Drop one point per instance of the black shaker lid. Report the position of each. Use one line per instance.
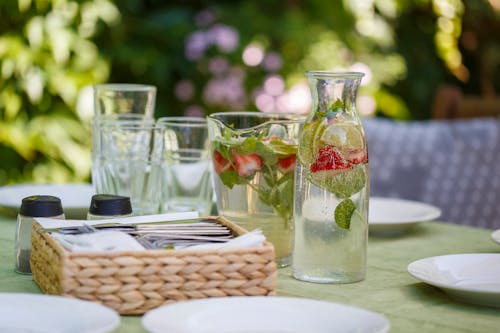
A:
(109, 204)
(41, 206)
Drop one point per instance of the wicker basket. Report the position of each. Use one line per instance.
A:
(133, 282)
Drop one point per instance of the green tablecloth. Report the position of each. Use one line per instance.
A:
(411, 306)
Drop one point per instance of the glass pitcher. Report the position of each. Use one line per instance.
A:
(254, 157)
(331, 184)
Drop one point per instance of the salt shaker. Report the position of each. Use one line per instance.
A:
(31, 207)
(106, 206)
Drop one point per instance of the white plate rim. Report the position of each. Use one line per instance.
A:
(495, 235)
(114, 317)
(432, 213)
(411, 268)
(17, 189)
(149, 316)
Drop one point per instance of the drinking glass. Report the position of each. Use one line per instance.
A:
(187, 183)
(125, 119)
(129, 118)
(130, 163)
(332, 184)
(118, 102)
(254, 157)
(118, 98)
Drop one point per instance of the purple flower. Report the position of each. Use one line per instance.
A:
(272, 62)
(225, 91)
(225, 37)
(196, 44)
(204, 18)
(184, 90)
(274, 85)
(253, 54)
(265, 102)
(218, 65)
(194, 111)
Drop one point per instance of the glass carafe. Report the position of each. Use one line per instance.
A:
(331, 184)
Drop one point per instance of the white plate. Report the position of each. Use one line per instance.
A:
(50, 314)
(75, 198)
(394, 216)
(495, 235)
(262, 314)
(472, 278)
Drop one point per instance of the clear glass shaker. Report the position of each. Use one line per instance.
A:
(32, 206)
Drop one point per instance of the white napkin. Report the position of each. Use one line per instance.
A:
(50, 223)
(253, 238)
(98, 241)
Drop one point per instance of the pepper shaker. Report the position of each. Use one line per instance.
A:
(31, 207)
(107, 206)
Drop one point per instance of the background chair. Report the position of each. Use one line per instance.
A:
(451, 103)
(452, 164)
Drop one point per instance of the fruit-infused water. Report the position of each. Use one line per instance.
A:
(331, 185)
(254, 157)
(252, 213)
(324, 251)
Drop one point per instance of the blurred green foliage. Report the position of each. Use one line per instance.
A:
(46, 56)
(199, 54)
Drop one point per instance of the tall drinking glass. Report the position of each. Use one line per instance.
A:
(125, 118)
(118, 98)
(254, 157)
(331, 184)
(118, 102)
(98, 176)
(187, 183)
(130, 163)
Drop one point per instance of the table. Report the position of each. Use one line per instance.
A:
(411, 306)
